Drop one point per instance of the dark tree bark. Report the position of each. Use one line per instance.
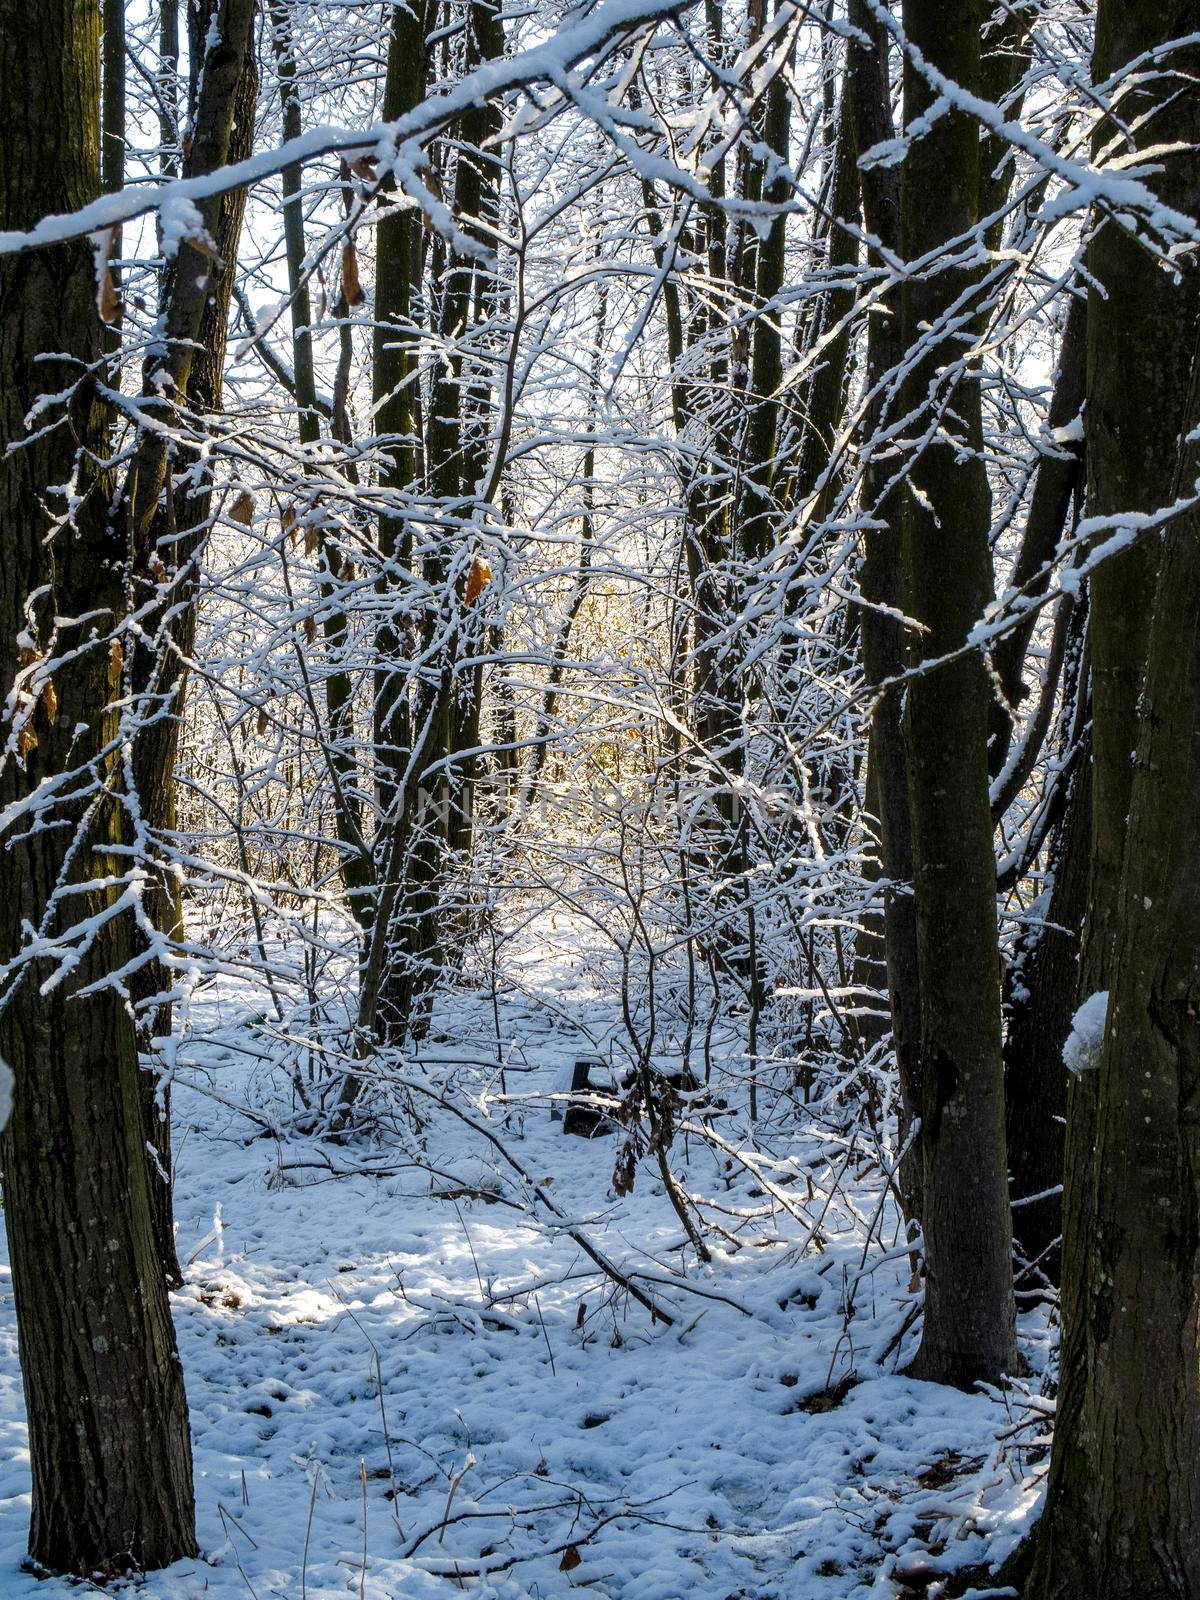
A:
(1122, 1514)
(880, 633)
(758, 512)
(1043, 998)
(445, 709)
(388, 984)
(482, 424)
(396, 398)
(1042, 981)
(1056, 485)
(168, 86)
(1122, 1518)
(224, 130)
(543, 732)
(969, 1327)
(112, 133)
(424, 816)
(109, 1443)
(1004, 56)
(824, 396)
(348, 781)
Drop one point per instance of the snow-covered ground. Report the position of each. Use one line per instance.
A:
(412, 1382)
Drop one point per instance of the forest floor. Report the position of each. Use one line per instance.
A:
(416, 1363)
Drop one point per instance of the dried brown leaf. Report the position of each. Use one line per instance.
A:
(625, 1168)
(477, 580)
(351, 283)
(203, 246)
(242, 509)
(108, 301)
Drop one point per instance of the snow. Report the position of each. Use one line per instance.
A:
(398, 1309)
(1083, 184)
(549, 61)
(179, 221)
(1085, 1042)
(1070, 433)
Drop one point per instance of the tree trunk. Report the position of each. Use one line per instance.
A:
(112, 134)
(340, 748)
(1122, 1518)
(758, 513)
(178, 537)
(397, 732)
(1056, 485)
(969, 1328)
(108, 1430)
(880, 634)
(1122, 1514)
(823, 403)
(445, 709)
(1044, 996)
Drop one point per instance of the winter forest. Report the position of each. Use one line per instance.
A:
(600, 799)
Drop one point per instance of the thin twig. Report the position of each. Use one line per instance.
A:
(545, 1335)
